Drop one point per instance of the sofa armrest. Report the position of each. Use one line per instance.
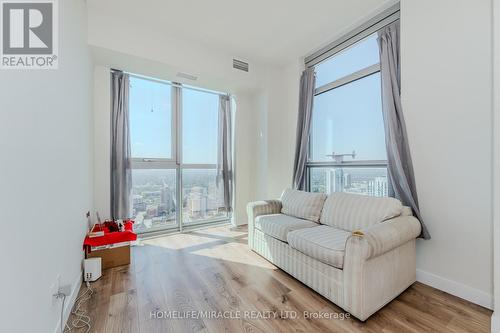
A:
(264, 207)
(379, 264)
(382, 237)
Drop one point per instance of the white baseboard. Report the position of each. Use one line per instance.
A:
(495, 322)
(70, 301)
(456, 288)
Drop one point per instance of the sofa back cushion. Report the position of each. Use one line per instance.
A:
(304, 205)
(355, 211)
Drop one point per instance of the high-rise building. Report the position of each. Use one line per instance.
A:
(167, 198)
(335, 180)
(347, 180)
(381, 186)
(197, 201)
(378, 187)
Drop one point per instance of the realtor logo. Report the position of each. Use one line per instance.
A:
(29, 34)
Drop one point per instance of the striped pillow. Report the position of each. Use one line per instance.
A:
(354, 211)
(304, 205)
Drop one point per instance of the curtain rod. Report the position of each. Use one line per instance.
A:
(173, 84)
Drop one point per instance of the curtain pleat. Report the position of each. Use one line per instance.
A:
(400, 167)
(306, 98)
(225, 174)
(121, 177)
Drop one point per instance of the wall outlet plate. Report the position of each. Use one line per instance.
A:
(54, 288)
(65, 290)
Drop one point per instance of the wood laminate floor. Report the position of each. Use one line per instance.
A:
(213, 270)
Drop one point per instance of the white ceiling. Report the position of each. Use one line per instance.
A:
(268, 31)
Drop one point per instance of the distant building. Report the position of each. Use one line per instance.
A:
(152, 211)
(347, 180)
(212, 197)
(167, 199)
(197, 201)
(378, 187)
(138, 203)
(335, 180)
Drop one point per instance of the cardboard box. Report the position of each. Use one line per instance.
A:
(111, 256)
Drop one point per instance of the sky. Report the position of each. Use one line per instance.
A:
(349, 117)
(151, 122)
(344, 119)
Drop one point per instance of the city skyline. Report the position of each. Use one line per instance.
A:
(154, 203)
(366, 181)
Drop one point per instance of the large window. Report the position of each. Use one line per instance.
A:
(173, 132)
(347, 142)
(151, 119)
(201, 198)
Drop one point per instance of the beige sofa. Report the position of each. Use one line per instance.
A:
(355, 250)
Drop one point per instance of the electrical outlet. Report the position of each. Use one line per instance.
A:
(54, 288)
(65, 290)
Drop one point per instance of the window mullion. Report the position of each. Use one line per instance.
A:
(362, 73)
(153, 165)
(177, 123)
(348, 164)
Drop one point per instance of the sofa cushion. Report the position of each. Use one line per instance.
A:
(355, 211)
(279, 225)
(323, 243)
(304, 205)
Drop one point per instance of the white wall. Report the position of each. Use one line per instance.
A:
(447, 94)
(102, 141)
(495, 319)
(277, 105)
(446, 83)
(281, 125)
(45, 178)
(245, 152)
(164, 54)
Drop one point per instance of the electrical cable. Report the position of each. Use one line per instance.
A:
(62, 310)
(82, 319)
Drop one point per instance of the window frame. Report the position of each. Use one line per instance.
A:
(377, 22)
(173, 121)
(345, 80)
(175, 163)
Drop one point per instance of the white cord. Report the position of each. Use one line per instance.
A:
(82, 319)
(62, 311)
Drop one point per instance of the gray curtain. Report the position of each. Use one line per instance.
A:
(121, 178)
(400, 167)
(224, 151)
(306, 97)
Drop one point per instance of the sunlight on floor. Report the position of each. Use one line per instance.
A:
(233, 254)
(209, 242)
